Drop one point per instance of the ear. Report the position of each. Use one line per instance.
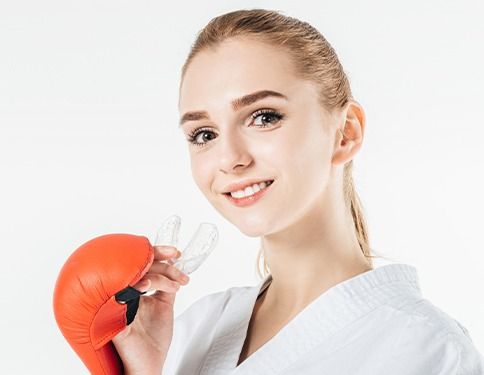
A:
(349, 139)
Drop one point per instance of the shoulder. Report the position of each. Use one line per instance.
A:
(434, 341)
(428, 316)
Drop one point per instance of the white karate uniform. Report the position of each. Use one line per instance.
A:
(375, 323)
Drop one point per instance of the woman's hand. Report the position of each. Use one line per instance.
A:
(143, 345)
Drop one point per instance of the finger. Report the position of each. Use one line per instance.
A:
(143, 285)
(170, 271)
(168, 298)
(165, 252)
(160, 282)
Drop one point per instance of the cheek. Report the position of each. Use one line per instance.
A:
(307, 156)
(298, 146)
(200, 173)
(205, 172)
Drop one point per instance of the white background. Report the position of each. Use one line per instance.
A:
(89, 145)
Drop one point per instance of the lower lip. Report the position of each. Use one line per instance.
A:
(247, 201)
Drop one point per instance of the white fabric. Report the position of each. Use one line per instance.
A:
(376, 323)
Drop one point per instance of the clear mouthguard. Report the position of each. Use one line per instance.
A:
(198, 249)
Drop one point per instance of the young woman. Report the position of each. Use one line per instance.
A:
(273, 129)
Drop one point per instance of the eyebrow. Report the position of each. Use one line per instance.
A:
(236, 105)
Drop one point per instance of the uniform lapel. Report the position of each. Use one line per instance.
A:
(230, 333)
(334, 309)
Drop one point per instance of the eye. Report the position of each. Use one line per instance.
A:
(193, 136)
(265, 114)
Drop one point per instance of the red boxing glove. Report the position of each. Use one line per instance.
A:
(94, 299)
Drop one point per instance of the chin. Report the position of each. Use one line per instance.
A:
(251, 228)
(254, 225)
(252, 232)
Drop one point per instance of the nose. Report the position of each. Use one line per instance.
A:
(233, 152)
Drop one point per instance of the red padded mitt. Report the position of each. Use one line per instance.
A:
(94, 298)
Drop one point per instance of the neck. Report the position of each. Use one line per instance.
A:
(319, 250)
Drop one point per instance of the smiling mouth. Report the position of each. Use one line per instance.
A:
(270, 182)
(249, 200)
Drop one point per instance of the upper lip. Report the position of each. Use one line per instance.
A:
(243, 184)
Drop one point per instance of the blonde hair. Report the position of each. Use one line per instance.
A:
(314, 59)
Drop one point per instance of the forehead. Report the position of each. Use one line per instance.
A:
(233, 69)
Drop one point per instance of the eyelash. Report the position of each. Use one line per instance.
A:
(194, 134)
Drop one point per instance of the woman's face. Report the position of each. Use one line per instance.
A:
(239, 143)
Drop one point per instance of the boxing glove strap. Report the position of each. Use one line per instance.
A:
(129, 296)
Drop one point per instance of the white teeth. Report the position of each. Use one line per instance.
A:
(249, 190)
